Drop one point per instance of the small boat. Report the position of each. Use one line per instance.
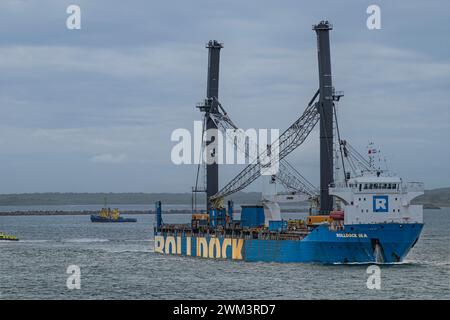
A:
(108, 215)
(7, 237)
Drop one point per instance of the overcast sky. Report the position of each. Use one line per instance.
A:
(93, 109)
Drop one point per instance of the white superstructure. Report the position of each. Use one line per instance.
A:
(375, 198)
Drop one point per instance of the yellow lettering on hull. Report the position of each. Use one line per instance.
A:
(178, 245)
(202, 247)
(237, 245)
(214, 248)
(171, 247)
(188, 246)
(225, 244)
(159, 244)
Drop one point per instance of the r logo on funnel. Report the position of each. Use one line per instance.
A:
(380, 204)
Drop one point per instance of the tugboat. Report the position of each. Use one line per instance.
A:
(108, 215)
(7, 237)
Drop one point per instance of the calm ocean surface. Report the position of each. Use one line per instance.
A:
(117, 262)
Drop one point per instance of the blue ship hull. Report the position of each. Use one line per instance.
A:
(95, 218)
(359, 243)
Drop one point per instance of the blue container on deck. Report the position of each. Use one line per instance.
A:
(230, 209)
(252, 216)
(213, 218)
(278, 225)
(217, 217)
(221, 217)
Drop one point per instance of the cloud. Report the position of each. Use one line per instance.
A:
(135, 72)
(109, 158)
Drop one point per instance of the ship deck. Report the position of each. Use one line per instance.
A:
(233, 232)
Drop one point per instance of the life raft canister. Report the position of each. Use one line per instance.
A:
(337, 215)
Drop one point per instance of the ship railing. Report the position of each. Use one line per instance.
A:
(339, 186)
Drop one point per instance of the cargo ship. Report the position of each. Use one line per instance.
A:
(7, 237)
(108, 215)
(362, 213)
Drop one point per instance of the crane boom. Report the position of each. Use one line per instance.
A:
(287, 175)
(288, 141)
(294, 181)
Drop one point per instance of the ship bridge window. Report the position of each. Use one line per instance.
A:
(360, 185)
(365, 186)
(379, 186)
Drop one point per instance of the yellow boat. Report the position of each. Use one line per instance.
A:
(7, 237)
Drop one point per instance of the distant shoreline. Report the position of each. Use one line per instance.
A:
(132, 198)
(432, 199)
(81, 213)
(126, 212)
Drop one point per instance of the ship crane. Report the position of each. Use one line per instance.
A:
(357, 163)
(295, 135)
(288, 141)
(355, 160)
(287, 175)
